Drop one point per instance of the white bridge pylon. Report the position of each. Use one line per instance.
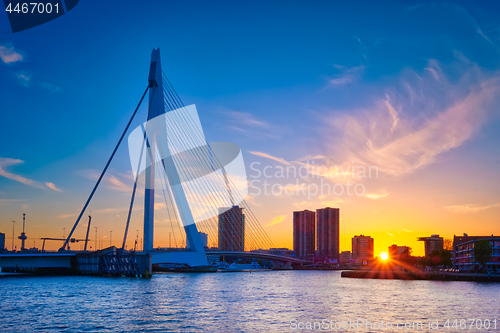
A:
(157, 142)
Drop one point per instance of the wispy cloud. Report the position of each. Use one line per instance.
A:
(312, 157)
(346, 75)
(117, 185)
(52, 88)
(6, 162)
(376, 196)
(303, 204)
(88, 173)
(251, 200)
(24, 79)
(388, 137)
(110, 181)
(64, 216)
(248, 124)
(53, 186)
(9, 54)
(106, 211)
(276, 220)
(4, 202)
(469, 208)
(331, 203)
(481, 33)
(246, 119)
(27, 79)
(277, 159)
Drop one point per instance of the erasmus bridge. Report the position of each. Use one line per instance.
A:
(200, 182)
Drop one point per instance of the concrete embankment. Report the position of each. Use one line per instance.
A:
(437, 276)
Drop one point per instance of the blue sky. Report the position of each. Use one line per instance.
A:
(281, 79)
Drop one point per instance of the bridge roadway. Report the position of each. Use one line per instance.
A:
(40, 259)
(52, 259)
(259, 255)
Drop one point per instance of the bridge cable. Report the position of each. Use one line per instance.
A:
(211, 163)
(252, 220)
(66, 242)
(134, 190)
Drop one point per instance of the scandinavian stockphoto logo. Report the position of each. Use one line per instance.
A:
(25, 15)
(212, 175)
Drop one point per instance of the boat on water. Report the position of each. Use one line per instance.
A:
(181, 268)
(234, 267)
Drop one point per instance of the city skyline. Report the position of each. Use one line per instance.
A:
(420, 106)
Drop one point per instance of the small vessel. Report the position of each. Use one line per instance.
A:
(182, 268)
(234, 267)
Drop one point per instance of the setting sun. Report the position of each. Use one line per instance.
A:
(384, 255)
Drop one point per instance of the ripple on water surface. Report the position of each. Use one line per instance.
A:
(233, 302)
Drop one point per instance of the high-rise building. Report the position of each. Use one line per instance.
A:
(433, 243)
(2, 241)
(231, 229)
(362, 247)
(327, 232)
(303, 234)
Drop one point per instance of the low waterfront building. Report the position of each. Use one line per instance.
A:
(213, 260)
(345, 258)
(463, 252)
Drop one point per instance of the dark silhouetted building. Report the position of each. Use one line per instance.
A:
(303, 234)
(399, 252)
(327, 232)
(2, 241)
(433, 243)
(204, 239)
(231, 229)
(362, 247)
(345, 257)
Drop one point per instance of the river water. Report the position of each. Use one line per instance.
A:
(265, 301)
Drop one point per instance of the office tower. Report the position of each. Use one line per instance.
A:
(362, 247)
(231, 229)
(433, 243)
(327, 232)
(303, 234)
